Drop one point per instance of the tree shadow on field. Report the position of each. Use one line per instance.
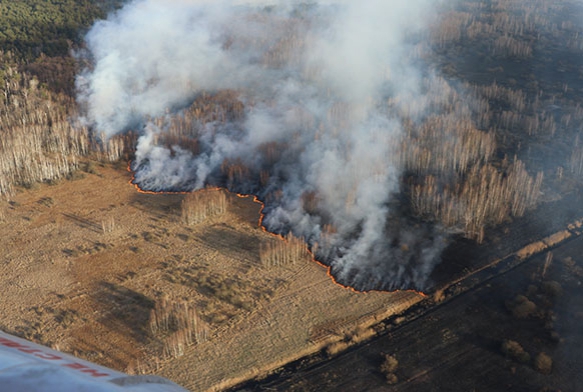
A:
(160, 205)
(232, 243)
(125, 310)
(83, 223)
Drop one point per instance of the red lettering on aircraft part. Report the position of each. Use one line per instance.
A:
(85, 369)
(48, 356)
(29, 350)
(51, 357)
(22, 348)
(10, 343)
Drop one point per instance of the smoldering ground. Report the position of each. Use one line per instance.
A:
(301, 104)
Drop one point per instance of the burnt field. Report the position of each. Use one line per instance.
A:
(462, 343)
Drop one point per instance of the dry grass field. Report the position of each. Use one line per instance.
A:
(85, 262)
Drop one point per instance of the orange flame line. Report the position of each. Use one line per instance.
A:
(260, 224)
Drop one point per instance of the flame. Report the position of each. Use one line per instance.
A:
(260, 224)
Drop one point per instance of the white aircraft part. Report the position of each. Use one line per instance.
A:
(27, 366)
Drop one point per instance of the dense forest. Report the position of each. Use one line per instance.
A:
(41, 36)
(50, 27)
(40, 141)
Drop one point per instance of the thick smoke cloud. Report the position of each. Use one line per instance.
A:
(315, 140)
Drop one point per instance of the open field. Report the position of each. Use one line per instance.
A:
(85, 261)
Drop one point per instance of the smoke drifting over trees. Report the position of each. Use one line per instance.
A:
(324, 111)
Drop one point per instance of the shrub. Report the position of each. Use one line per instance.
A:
(389, 364)
(361, 334)
(30, 185)
(75, 175)
(552, 288)
(46, 201)
(89, 167)
(336, 347)
(388, 368)
(521, 307)
(392, 379)
(543, 363)
(514, 350)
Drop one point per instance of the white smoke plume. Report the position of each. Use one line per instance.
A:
(314, 140)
